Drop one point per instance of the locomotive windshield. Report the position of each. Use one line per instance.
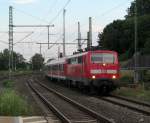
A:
(102, 58)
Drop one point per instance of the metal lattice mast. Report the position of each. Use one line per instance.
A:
(79, 37)
(64, 33)
(10, 40)
(90, 31)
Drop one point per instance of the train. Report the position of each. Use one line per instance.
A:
(94, 71)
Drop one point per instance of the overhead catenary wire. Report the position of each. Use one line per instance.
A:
(42, 20)
(52, 6)
(60, 11)
(4, 42)
(104, 13)
(33, 16)
(108, 11)
(24, 38)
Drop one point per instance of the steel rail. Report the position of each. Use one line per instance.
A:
(50, 105)
(81, 107)
(131, 100)
(146, 112)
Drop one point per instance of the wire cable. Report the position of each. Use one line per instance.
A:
(35, 17)
(60, 11)
(24, 38)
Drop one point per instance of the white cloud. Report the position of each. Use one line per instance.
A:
(24, 1)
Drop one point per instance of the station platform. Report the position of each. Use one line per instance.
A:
(32, 119)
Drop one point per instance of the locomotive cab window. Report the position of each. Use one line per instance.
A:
(102, 58)
(74, 60)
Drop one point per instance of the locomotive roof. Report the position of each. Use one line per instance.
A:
(63, 60)
(77, 55)
(57, 61)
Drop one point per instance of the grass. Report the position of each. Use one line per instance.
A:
(11, 104)
(126, 79)
(129, 73)
(135, 93)
(14, 73)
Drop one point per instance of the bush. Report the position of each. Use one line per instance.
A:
(11, 104)
(8, 83)
(124, 56)
(126, 80)
(147, 77)
(138, 93)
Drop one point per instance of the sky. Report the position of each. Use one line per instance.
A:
(44, 12)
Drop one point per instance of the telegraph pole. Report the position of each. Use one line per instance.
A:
(64, 33)
(10, 40)
(90, 31)
(79, 37)
(48, 26)
(48, 36)
(41, 49)
(136, 76)
(89, 34)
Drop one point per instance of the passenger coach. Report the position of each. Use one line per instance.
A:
(92, 70)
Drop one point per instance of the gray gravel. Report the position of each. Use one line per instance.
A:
(70, 111)
(115, 112)
(121, 101)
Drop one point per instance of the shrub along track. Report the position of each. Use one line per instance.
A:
(66, 109)
(20, 88)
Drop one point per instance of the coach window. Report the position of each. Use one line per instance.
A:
(80, 60)
(62, 67)
(69, 61)
(55, 67)
(74, 61)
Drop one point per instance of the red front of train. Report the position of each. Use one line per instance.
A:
(97, 70)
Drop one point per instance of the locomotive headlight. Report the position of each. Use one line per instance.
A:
(104, 64)
(113, 77)
(93, 77)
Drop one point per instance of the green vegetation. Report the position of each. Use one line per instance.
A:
(11, 104)
(135, 93)
(37, 62)
(119, 35)
(127, 77)
(19, 61)
(125, 81)
(8, 83)
(4, 74)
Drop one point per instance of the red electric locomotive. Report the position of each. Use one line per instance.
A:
(95, 70)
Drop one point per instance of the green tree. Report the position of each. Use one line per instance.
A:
(4, 60)
(100, 40)
(37, 62)
(18, 60)
(119, 35)
(143, 8)
(146, 49)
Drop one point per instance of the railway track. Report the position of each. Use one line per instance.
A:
(69, 111)
(135, 105)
